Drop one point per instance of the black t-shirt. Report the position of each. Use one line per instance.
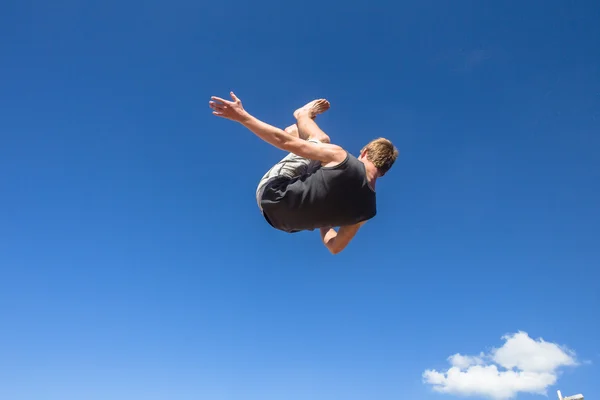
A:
(324, 198)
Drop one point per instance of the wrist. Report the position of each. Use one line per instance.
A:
(244, 118)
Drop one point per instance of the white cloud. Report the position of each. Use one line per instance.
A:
(522, 352)
(463, 362)
(522, 364)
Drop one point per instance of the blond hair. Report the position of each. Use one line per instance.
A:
(382, 153)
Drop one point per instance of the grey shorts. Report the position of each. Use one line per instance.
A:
(290, 166)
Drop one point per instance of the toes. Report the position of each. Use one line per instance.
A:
(321, 107)
(313, 108)
(322, 104)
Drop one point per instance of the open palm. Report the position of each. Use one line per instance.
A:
(232, 110)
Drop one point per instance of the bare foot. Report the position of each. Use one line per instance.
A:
(312, 109)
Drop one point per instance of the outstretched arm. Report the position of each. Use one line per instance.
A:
(234, 111)
(337, 241)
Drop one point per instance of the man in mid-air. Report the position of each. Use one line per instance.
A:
(318, 185)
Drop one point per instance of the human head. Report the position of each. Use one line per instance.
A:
(381, 153)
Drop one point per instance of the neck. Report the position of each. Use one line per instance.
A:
(371, 174)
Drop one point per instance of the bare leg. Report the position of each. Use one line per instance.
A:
(307, 127)
(293, 130)
(314, 107)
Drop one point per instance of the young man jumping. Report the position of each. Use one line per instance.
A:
(318, 185)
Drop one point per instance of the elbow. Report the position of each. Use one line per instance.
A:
(335, 249)
(334, 245)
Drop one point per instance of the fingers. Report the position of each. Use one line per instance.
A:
(217, 106)
(233, 97)
(220, 100)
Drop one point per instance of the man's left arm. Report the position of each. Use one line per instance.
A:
(337, 241)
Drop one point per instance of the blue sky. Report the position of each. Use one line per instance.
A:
(135, 264)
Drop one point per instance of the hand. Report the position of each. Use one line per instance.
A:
(232, 110)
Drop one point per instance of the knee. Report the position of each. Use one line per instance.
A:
(323, 138)
(292, 130)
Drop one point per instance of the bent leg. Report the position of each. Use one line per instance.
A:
(307, 127)
(293, 130)
(292, 165)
